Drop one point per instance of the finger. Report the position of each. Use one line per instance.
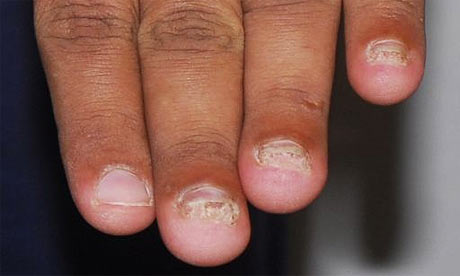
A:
(90, 58)
(288, 79)
(385, 44)
(191, 55)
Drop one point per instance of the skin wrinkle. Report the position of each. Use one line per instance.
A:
(294, 100)
(389, 9)
(194, 29)
(254, 6)
(91, 130)
(76, 26)
(288, 9)
(130, 121)
(292, 91)
(78, 157)
(198, 147)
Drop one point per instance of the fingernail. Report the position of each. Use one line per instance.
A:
(122, 187)
(390, 52)
(207, 202)
(283, 154)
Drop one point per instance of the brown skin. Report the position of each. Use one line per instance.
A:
(94, 78)
(288, 78)
(156, 86)
(192, 64)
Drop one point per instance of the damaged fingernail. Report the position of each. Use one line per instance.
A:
(283, 154)
(207, 202)
(390, 52)
(122, 187)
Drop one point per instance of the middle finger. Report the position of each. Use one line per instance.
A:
(191, 58)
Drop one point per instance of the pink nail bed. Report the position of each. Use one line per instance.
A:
(121, 187)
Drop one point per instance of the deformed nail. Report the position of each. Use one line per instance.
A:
(284, 154)
(389, 51)
(207, 202)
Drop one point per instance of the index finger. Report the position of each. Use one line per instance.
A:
(90, 58)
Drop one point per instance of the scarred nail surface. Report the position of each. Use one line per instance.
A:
(389, 51)
(119, 186)
(209, 203)
(283, 154)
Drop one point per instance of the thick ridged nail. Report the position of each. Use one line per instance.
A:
(283, 154)
(122, 187)
(209, 203)
(390, 52)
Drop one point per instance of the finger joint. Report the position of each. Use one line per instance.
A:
(75, 24)
(191, 29)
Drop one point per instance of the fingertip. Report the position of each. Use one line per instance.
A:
(385, 71)
(117, 203)
(116, 220)
(278, 188)
(204, 237)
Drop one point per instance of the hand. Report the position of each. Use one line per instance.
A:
(152, 118)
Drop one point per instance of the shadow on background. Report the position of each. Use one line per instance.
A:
(363, 144)
(365, 136)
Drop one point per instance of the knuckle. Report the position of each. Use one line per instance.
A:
(198, 144)
(96, 121)
(294, 100)
(88, 132)
(390, 9)
(287, 6)
(192, 28)
(77, 23)
(290, 16)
